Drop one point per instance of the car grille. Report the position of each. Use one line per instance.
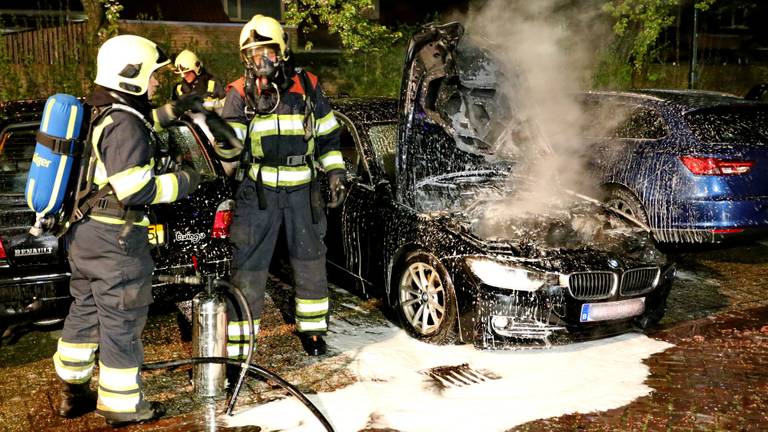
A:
(639, 281)
(592, 285)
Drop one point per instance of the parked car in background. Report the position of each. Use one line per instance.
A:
(418, 186)
(34, 274)
(693, 165)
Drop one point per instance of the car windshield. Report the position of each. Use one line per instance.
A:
(747, 124)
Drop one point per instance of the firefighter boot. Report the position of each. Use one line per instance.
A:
(145, 412)
(76, 399)
(314, 345)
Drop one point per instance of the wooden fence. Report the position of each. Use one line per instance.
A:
(62, 44)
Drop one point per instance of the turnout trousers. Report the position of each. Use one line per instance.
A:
(112, 288)
(254, 232)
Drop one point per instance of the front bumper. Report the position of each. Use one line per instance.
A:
(507, 319)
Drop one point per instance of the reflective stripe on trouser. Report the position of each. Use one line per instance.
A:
(112, 287)
(119, 389)
(238, 333)
(254, 233)
(74, 361)
(311, 315)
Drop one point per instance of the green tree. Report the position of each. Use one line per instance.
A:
(640, 22)
(347, 18)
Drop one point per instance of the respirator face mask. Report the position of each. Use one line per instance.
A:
(263, 66)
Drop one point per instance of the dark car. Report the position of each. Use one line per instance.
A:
(189, 235)
(691, 164)
(420, 186)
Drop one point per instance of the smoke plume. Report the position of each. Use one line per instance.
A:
(550, 46)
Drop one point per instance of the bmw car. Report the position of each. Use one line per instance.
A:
(414, 229)
(693, 165)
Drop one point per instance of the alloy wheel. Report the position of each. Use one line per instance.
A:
(422, 298)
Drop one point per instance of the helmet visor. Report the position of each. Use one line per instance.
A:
(262, 59)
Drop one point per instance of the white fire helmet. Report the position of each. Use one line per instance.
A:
(126, 62)
(187, 61)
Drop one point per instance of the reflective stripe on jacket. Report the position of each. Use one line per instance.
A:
(122, 153)
(281, 134)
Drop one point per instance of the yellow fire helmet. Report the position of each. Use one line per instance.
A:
(126, 62)
(260, 31)
(187, 61)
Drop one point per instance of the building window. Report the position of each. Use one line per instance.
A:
(243, 10)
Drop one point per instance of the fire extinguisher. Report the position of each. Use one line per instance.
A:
(209, 339)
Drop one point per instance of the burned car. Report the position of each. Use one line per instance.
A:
(189, 236)
(426, 224)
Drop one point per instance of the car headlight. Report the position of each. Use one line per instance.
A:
(503, 275)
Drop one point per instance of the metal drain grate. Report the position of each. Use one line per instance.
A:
(457, 376)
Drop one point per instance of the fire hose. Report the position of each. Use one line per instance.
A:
(246, 366)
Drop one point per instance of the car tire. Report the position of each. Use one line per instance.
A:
(626, 201)
(425, 299)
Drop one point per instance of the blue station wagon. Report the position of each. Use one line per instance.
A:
(693, 165)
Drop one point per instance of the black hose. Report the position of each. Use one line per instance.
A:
(264, 373)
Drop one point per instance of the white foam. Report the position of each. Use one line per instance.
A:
(392, 393)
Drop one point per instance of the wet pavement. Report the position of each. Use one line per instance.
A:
(714, 378)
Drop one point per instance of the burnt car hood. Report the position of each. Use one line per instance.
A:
(480, 206)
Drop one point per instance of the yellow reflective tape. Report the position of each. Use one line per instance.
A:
(30, 189)
(56, 183)
(47, 115)
(115, 221)
(130, 181)
(211, 86)
(78, 345)
(71, 124)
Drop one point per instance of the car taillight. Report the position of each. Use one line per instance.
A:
(223, 219)
(716, 166)
(2, 251)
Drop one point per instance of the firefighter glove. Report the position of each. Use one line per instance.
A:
(338, 190)
(187, 102)
(222, 131)
(188, 170)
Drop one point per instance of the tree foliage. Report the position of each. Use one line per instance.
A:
(343, 17)
(642, 21)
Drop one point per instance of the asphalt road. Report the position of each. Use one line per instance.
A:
(714, 378)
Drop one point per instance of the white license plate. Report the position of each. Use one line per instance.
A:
(592, 312)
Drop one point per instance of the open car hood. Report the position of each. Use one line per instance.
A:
(459, 111)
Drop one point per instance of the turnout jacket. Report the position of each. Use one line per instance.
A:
(278, 135)
(205, 85)
(123, 155)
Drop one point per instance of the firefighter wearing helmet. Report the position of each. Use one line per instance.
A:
(107, 243)
(288, 132)
(196, 80)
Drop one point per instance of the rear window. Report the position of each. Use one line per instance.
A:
(617, 120)
(16, 148)
(730, 125)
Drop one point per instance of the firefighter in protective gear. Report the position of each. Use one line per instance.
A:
(288, 131)
(196, 80)
(108, 246)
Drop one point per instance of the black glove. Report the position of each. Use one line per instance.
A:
(187, 102)
(221, 130)
(188, 169)
(338, 190)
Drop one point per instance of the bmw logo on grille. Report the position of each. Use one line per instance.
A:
(612, 263)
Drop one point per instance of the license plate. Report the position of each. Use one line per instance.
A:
(156, 234)
(592, 312)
